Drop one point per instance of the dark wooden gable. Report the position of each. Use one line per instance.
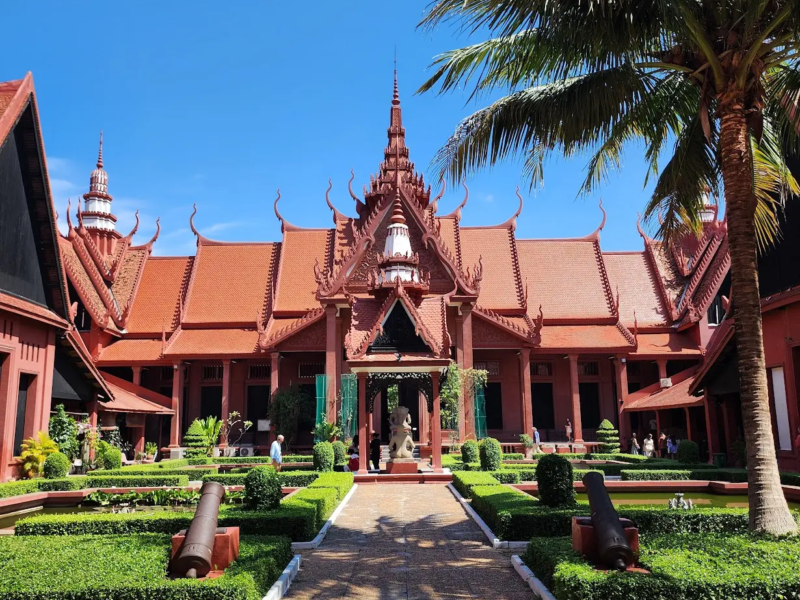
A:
(399, 334)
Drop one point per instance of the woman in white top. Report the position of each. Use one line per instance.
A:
(649, 445)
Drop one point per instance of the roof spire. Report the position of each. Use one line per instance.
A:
(396, 96)
(397, 210)
(100, 152)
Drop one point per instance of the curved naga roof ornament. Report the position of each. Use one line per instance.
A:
(70, 229)
(512, 222)
(129, 237)
(149, 245)
(285, 225)
(536, 338)
(435, 202)
(457, 212)
(337, 216)
(596, 233)
(359, 204)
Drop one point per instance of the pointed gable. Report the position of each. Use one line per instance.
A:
(631, 274)
(158, 298)
(501, 288)
(296, 287)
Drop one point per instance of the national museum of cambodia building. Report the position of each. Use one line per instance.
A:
(390, 295)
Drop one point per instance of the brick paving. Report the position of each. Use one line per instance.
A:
(406, 542)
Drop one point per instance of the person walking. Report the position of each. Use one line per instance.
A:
(635, 447)
(375, 451)
(275, 453)
(537, 440)
(662, 445)
(672, 447)
(568, 430)
(649, 445)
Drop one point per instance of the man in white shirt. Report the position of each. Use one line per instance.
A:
(275, 453)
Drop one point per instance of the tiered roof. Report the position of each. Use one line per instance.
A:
(241, 299)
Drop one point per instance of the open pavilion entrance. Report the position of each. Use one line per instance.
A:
(375, 374)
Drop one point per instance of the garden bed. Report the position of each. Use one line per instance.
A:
(129, 566)
(681, 566)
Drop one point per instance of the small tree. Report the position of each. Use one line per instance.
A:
(326, 432)
(554, 476)
(195, 440)
(63, 431)
(234, 425)
(458, 383)
(339, 452)
(491, 454)
(262, 489)
(469, 451)
(608, 438)
(392, 397)
(688, 452)
(34, 452)
(286, 409)
(324, 458)
(56, 465)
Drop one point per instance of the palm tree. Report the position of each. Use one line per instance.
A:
(719, 79)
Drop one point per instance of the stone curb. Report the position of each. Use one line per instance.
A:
(298, 546)
(537, 587)
(496, 543)
(280, 587)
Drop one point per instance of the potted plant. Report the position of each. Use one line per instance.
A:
(233, 422)
(529, 444)
(326, 432)
(150, 451)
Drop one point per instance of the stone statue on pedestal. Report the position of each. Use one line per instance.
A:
(401, 445)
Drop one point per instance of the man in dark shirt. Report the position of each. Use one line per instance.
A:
(375, 451)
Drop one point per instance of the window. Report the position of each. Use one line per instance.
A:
(634, 386)
(588, 369)
(634, 368)
(541, 369)
(309, 370)
(715, 311)
(590, 404)
(492, 367)
(167, 373)
(781, 408)
(543, 410)
(494, 405)
(257, 403)
(25, 382)
(212, 373)
(259, 371)
(211, 401)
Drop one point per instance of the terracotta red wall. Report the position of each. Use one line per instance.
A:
(26, 346)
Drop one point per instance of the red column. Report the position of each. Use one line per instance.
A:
(92, 409)
(708, 408)
(525, 379)
(274, 380)
(338, 382)
(662, 368)
(138, 446)
(436, 426)
(688, 423)
(621, 370)
(363, 425)
(331, 343)
(226, 400)
(177, 393)
(577, 428)
(466, 344)
(137, 375)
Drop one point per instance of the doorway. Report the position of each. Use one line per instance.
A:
(408, 396)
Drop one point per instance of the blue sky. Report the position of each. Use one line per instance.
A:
(204, 103)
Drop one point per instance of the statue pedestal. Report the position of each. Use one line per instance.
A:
(401, 466)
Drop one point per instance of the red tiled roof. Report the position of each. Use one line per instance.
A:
(132, 398)
(29, 309)
(666, 344)
(280, 330)
(81, 282)
(501, 288)
(565, 337)
(296, 286)
(229, 283)
(128, 276)
(674, 283)
(566, 277)
(8, 90)
(449, 233)
(630, 273)
(213, 342)
(721, 337)
(654, 397)
(131, 351)
(157, 300)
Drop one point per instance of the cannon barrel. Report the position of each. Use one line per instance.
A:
(194, 559)
(612, 544)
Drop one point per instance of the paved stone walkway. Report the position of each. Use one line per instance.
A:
(406, 542)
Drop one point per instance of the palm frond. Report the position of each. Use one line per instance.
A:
(573, 114)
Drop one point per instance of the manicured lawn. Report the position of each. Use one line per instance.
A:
(126, 567)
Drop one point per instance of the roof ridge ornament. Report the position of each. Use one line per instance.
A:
(285, 225)
(457, 212)
(337, 216)
(100, 152)
(435, 202)
(512, 222)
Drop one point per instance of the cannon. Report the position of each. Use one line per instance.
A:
(613, 548)
(194, 559)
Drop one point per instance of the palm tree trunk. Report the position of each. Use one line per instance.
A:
(769, 512)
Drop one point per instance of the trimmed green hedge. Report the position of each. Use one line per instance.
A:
(192, 474)
(341, 482)
(67, 484)
(128, 567)
(18, 488)
(464, 480)
(682, 566)
(513, 456)
(303, 479)
(504, 509)
(107, 481)
(252, 460)
(323, 500)
(296, 522)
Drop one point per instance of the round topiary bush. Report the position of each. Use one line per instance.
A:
(262, 489)
(339, 452)
(554, 475)
(608, 438)
(469, 451)
(323, 456)
(491, 454)
(688, 452)
(195, 440)
(112, 458)
(56, 465)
